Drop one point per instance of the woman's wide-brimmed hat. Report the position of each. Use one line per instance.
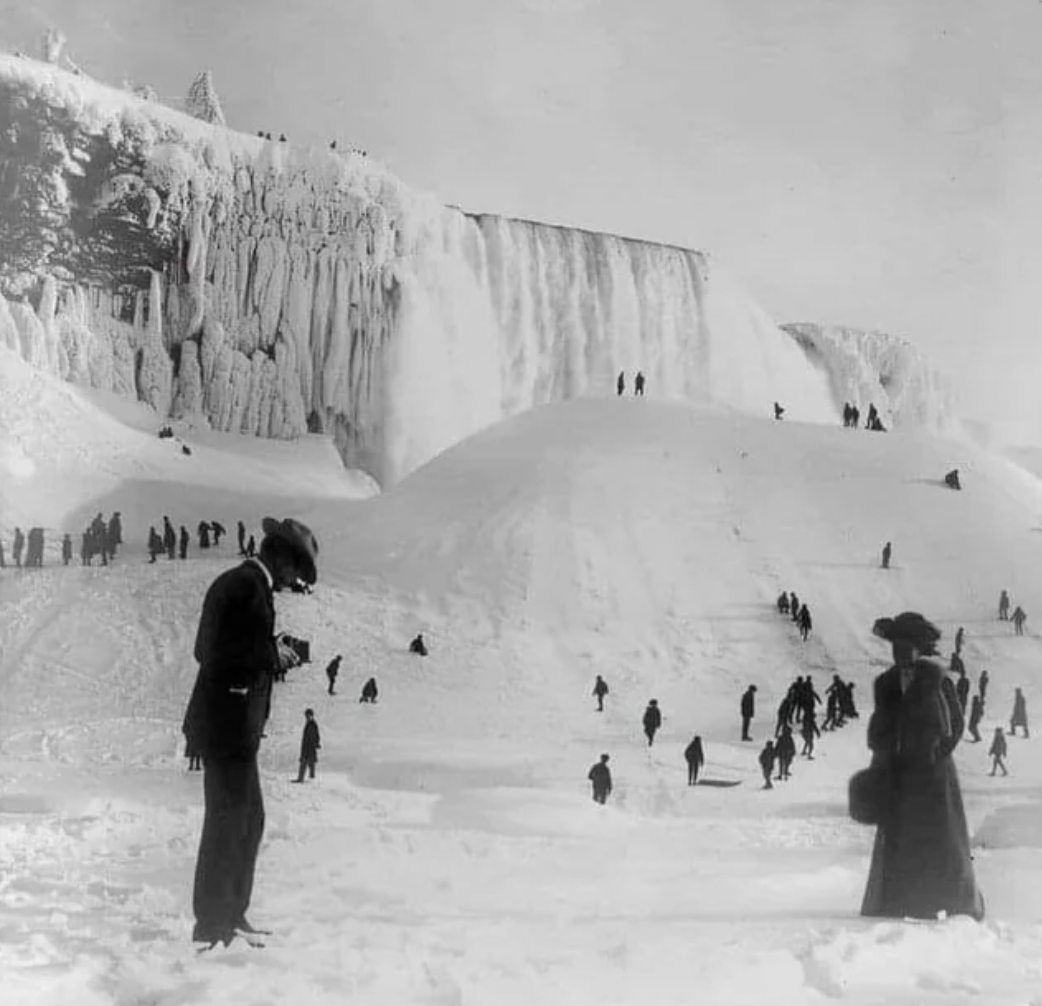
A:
(909, 627)
(300, 538)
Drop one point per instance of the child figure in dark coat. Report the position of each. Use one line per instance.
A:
(695, 758)
(600, 776)
(310, 742)
(997, 751)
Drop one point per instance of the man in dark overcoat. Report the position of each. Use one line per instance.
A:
(310, 742)
(238, 657)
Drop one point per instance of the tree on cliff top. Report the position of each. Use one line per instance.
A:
(203, 102)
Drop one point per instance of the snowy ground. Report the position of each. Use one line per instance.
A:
(448, 852)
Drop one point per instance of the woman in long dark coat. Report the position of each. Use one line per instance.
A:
(921, 858)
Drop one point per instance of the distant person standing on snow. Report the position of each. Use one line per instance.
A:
(785, 752)
(620, 384)
(418, 646)
(242, 538)
(982, 686)
(809, 730)
(203, 531)
(310, 742)
(695, 758)
(652, 721)
(779, 412)
(959, 635)
(218, 530)
(962, 688)
(66, 549)
(638, 384)
(230, 703)
(1020, 713)
(370, 692)
(114, 535)
(1019, 618)
(251, 547)
(331, 672)
(19, 544)
(870, 422)
(921, 861)
(169, 538)
(1004, 606)
(976, 715)
(887, 550)
(600, 689)
(600, 776)
(155, 545)
(748, 710)
(783, 603)
(998, 751)
(767, 764)
(804, 621)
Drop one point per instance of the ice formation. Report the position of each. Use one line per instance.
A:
(274, 289)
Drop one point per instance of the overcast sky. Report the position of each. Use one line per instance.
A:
(874, 163)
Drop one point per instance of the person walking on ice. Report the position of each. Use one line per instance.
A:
(976, 715)
(887, 552)
(600, 689)
(638, 384)
(767, 764)
(804, 621)
(1004, 606)
(652, 721)
(310, 742)
(1019, 618)
(695, 758)
(600, 776)
(331, 672)
(1020, 714)
(748, 709)
(997, 752)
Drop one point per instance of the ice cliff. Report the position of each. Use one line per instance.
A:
(273, 289)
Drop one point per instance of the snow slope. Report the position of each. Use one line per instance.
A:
(448, 851)
(273, 288)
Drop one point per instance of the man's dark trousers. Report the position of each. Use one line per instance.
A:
(232, 828)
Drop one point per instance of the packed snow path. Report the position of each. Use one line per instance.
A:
(448, 851)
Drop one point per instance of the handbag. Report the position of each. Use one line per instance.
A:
(866, 794)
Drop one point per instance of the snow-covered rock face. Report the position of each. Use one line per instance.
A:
(275, 289)
(874, 367)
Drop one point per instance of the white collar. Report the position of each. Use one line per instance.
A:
(267, 572)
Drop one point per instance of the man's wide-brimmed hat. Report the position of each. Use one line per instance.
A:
(303, 542)
(909, 627)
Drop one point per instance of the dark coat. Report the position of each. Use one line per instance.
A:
(235, 647)
(921, 857)
(693, 753)
(748, 703)
(600, 776)
(652, 719)
(310, 742)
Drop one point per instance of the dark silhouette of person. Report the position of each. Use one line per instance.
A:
(847, 413)
(66, 549)
(155, 545)
(962, 689)
(310, 742)
(169, 538)
(34, 551)
(794, 606)
(418, 646)
(783, 603)
(115, 533)
(695, 758)
(1004, 606)
(1020, 713)
(870, 422)
(600, 776)
(1019, 618)
(855, 416)
(982, 686)
(767, 764)
(230, 703)
(370, 692)
(960, 634)
(955, 664)
(748, 708)
(998, 751)
(779, 413)
(652, 721)
(804, 621)
(809, 730)
(183, 540)
(204, 534)
(217, 529)
(331, 672)
(600, 689)
(951, 480)
(887, 552)
(251, 547)
(921, 862)
(785, 752)
(242, 538)
(638, 384)
(976, 715)
(620, 383)
(19, 544)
